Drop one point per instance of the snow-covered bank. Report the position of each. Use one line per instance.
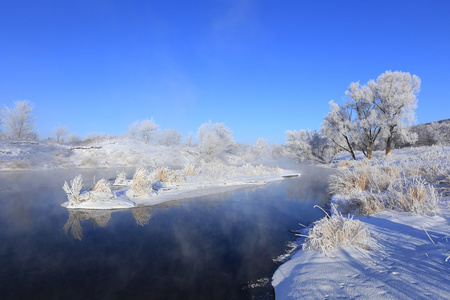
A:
(408, 254)
(144, 190)
(403, 263)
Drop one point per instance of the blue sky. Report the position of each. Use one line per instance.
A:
(259, 66)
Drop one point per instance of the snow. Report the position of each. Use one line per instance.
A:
(403, 263)
(408, 257)
(195, 186)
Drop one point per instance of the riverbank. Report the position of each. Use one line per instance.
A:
(407, 255)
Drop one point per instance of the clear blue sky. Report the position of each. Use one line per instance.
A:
(259, 66)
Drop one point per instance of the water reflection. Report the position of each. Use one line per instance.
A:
(142, 215)
(73, 224)
(100, 218)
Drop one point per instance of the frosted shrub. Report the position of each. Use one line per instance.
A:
(73, 190)
(412, 195)
(102, 186)
(165, 174)
(362, 177)
(189, 170)
(121, 179)
(364, 203)
(140, 184)
(330, 233)
(216, 170)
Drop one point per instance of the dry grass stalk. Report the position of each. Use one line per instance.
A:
(413, 195)
(102, 186)
(330, 233)
(164, 174)
(189, 170)
(141, 184)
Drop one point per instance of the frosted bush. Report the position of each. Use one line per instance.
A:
(102, 186)
(189, 170)
(412, 195)
(330, 233)
(165, 174)
(140, 184)
(121, 179)
(73, 190)
(216, 170)
(364, 203)
(362, 177)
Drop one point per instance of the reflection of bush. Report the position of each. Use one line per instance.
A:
(100, 218)
(142, 215)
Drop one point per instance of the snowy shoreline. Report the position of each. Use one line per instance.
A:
(193, 187)
(406, 257)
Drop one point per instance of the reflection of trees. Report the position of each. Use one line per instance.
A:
(142, 215)
(98, 217)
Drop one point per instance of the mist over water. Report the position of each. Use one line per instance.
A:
(202, 248)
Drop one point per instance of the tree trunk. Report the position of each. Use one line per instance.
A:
(369, 151)
(389, 140)
(388, 145)
(350, 148)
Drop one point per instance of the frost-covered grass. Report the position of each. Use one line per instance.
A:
(332, 232)
(405, 182)
(121, 179)
(141, 184)
(408, 182)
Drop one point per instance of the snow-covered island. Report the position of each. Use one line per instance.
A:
(164, 184)
(387, 236)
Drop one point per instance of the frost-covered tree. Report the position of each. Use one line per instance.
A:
(395, 96)
(338, 126)
(73, 139)
(148, 129)
(214, 140)
(189, 138)
(260, 147)
(60, 131)
(170, 137)
(19, 121)
(368, 126)
(133, 129)
(309, 145)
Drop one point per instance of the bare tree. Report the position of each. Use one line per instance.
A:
(19, 121)
(60, 131)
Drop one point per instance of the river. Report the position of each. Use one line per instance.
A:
(214, 247)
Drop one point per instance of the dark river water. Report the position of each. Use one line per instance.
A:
(213, 247)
